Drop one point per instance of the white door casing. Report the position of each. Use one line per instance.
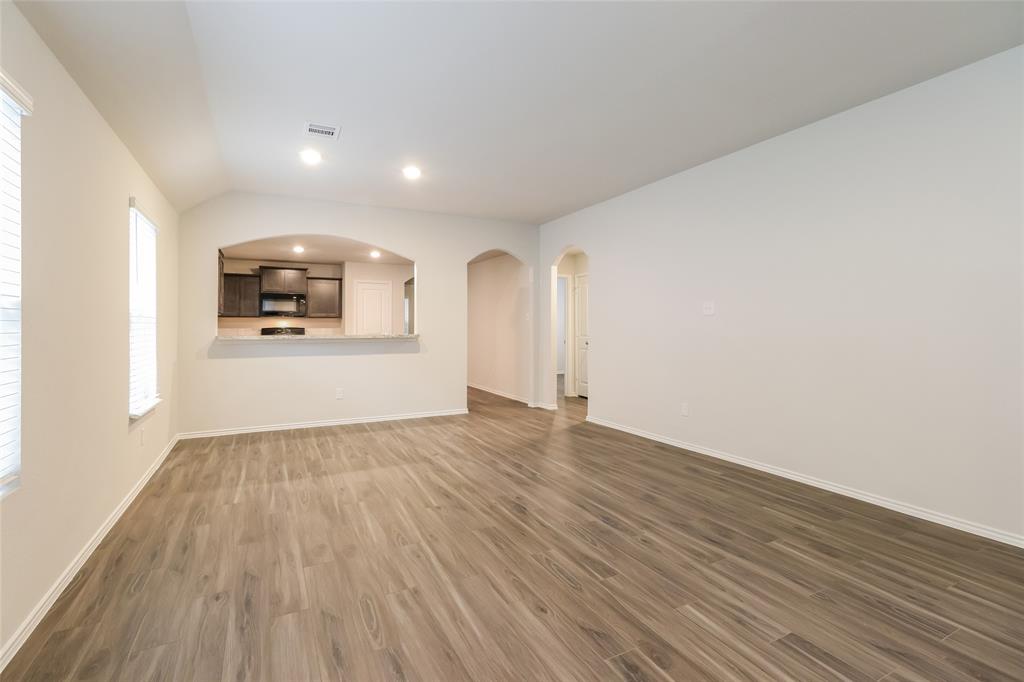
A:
(373, 307)
(562, 317)
(582, 319)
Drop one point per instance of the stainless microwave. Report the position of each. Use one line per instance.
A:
(282, 305)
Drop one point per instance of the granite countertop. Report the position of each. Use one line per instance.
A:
(314, 338)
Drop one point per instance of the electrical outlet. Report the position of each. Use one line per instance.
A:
(339, 394)
(684, 410)
(708, 308)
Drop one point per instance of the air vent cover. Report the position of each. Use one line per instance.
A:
(322, 131)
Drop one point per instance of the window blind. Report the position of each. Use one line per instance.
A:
(142, 376)
(10, 288)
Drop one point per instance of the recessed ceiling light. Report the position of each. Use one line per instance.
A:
(298, 249)
(310, 157)
(411, 173)
(375, 254)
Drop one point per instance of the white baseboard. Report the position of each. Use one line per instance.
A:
(12, 645)
(322, 422)
(503, 394)
(545, 406)
(894, 505)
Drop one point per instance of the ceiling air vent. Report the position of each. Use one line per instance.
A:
(322, 132)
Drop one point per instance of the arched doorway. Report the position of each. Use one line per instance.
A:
(499, 331)
(571, 332)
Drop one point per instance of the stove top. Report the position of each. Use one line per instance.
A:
(283, 331)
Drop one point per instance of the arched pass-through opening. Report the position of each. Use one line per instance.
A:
(314, 285)
(570, 333)
(499, 346)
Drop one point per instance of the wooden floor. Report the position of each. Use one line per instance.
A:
(517, 544)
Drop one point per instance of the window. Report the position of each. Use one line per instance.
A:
(13, 105)
(142, 379)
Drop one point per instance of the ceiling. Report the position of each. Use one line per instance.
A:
(522, 111)
(318, 248)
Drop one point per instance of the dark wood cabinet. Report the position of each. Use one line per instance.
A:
(241, 296)
(272, 280)
(249, 300)
(220, 282)
(324, 297)
(295, 281)
(231, 295)
(282, 280)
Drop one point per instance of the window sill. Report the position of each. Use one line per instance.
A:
(9, 486)
(148, 410)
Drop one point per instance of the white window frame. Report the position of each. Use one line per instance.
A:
(143, 346)
(15, 104)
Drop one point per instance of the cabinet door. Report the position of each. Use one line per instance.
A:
(294, 281)
(272, 280)
(324, 298)
(249, 297)
(232, 295)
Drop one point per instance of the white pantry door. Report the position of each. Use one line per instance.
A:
(373, 307)
(582, 315)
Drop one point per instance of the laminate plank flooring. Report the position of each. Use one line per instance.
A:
(517, 544)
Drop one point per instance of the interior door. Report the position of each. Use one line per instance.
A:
(582, 315)
(373, 307)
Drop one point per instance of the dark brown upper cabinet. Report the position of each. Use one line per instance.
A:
(324, 298)
(295, 281)
(241, 296)
(220, 282)
(282, 280)
(272, 280)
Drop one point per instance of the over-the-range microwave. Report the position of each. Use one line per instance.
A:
(282, 305)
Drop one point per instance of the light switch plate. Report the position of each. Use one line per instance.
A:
(339, 394)
(708, 308)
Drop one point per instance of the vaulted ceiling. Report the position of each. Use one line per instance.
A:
(523, 111)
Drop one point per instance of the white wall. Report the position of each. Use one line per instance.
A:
(80, 456)
(500, 331)
(227, 386)
(867, 276)
(396, 274)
